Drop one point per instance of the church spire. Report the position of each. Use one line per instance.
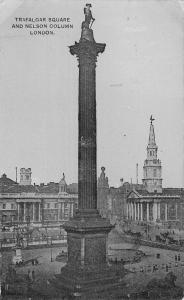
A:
(152, 146)
(152, 166)
(151, 142)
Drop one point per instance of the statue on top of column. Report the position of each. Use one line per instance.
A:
(88, 15)
(87, 32)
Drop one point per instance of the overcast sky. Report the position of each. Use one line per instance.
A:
(139, 74)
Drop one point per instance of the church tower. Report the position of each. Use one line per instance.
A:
(152, 170)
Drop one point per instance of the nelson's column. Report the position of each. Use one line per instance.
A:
(87, 270)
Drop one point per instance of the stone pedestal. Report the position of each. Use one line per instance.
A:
(87, 271)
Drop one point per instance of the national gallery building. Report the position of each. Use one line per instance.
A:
(21, 203)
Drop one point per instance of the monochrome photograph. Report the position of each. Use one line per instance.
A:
(91, 149)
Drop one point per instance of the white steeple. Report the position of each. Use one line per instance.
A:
(152, 170)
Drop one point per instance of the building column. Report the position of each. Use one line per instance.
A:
(165, 211)
(129, 206)
(141, 211)
(59, 205)
(176, 208)
(82, 250)
(135, 208)
(138, 212)
(132, 211)
(127, 211)
(154, 212)
(24, 211)
(33, 208)
(147, 216)
(70, 210)
(39, 212)
(158, 211)
(18, 209)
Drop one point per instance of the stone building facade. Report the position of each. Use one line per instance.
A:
(52, 203)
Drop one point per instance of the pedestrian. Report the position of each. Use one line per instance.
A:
(175, 257)
(33, 275)
(178, 257)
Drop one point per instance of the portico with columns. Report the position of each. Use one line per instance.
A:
(153, 208)
(37, 208)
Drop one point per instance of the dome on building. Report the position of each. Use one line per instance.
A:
(62, 185)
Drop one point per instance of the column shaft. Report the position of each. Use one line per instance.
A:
(154, 212)
(24, 211)
(138, 212)
(176, 208)
(33, 212)
(141, 212)
(131, 206)
(135, 209)
(18, 209)
(38, 212)
(147, 211)
(127, 210)
(87, 135)
(165, 211)
(158, 212)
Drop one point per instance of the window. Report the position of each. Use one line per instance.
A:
(55, 205)
(12, 206)
(154, 172)
(4, 206)
(47, 205)
(27, 177)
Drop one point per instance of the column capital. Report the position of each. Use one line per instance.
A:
(87, 52)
